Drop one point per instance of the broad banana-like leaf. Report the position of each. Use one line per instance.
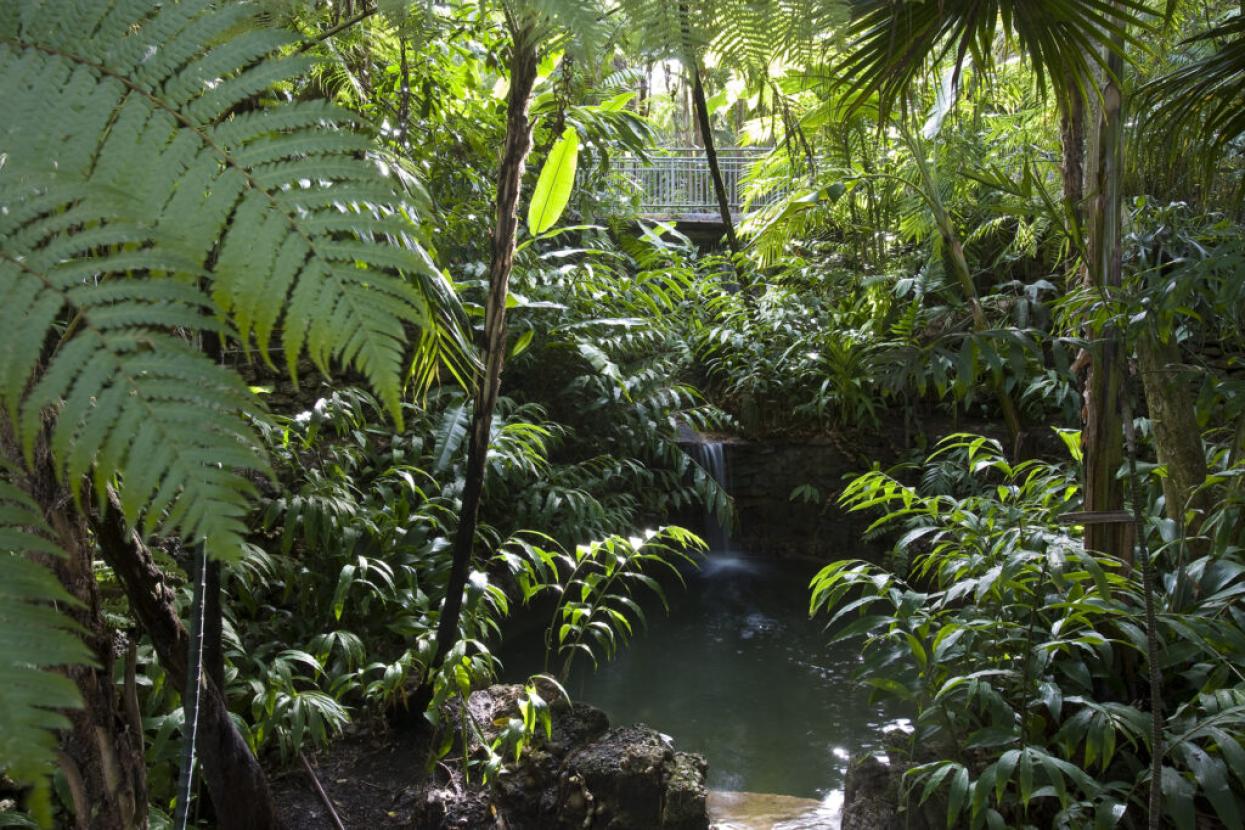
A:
(553, 188)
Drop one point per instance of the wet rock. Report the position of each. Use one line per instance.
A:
(871, 799)
(686, 795)
(584, 776)
(631, 779)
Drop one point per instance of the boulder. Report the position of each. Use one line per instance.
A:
(684, 807)
(871, 799)
(584, 776)
(632, 779)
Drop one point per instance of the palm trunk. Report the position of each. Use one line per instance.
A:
(959, 265)
(514, 156)
(1102, 434)
(1072, 139)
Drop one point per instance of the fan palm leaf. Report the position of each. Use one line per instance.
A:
(1206, 95)
(892, 42)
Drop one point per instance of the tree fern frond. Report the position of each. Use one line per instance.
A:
(34, 637)
(128, 180)
(751, 33)
(261, 184)
(132, 400)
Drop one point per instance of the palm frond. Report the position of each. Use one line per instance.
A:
(895, 41)
(1206, 95)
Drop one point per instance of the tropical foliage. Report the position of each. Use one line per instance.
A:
(330, 337)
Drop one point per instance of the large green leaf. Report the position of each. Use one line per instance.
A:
(553, 188)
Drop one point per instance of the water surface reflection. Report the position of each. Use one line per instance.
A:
(738, 673)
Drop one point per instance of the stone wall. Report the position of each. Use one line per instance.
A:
(762, 478)
(762, 475)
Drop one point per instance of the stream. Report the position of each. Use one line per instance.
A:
(737, 672)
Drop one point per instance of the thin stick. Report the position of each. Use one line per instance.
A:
(1152, 647)
(341, 27)
(324, 797)
(192, 697)
(132, 710)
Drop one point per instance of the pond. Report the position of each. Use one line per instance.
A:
(738, 673)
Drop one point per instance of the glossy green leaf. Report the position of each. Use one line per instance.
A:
(553, 188)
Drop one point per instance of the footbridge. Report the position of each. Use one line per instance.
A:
(675, 184)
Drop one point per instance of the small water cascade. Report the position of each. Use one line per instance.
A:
(711, 455)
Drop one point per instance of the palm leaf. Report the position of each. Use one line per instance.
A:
(892, 42)
(1207, 95)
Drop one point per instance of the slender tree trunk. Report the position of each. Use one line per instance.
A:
(1072, 139)
(711, 154)
(510, 179)
(234, 778)
(641, 101)
(705, 126)
(1177, 437)
(101, 754)
(1154, 817)
(1102, 434)
(404, 93)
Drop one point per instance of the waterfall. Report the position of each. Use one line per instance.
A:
(711, 455)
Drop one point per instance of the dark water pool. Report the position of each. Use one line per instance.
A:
(738, 673)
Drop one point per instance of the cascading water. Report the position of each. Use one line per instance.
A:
(711, 455)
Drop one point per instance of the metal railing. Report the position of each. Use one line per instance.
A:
(675, 181)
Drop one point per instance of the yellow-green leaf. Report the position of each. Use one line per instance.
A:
(553, 188)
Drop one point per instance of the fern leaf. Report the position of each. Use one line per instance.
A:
(34, 638)
(141, 211)
(269, 183)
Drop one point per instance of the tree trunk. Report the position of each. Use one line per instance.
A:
(1072, 139)
(1102, 434)
(705, 127)
(518, 143)
(234, 778)
(1177, 437)
(101, 755)
(711, 155)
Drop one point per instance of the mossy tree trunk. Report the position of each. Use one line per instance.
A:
(241, 798)
(1177, 437)
(101, 754)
